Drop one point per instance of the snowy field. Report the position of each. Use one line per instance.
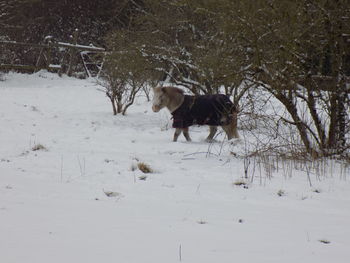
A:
(70, 190)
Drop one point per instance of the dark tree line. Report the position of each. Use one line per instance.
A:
(33, 20)
(45, 21)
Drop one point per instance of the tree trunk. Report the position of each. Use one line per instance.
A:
(337, 128)
(113, 106)
(332, 133)
(316, 119)
(342, 120)
(112, 99)
(119, 104)
(292, 109)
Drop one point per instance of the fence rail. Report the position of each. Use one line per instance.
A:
(70, 56)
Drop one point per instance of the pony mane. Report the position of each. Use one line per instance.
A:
(173, 90)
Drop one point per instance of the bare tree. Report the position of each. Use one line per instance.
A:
(125, 72)
(120, 87)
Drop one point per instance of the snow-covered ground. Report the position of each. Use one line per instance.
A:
(80, 198)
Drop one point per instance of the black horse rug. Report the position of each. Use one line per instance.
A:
(213, 110)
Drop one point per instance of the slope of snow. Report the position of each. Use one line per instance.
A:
(54, 206)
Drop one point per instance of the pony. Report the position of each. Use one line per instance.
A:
(213, 110)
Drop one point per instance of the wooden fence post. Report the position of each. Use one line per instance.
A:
(72, 53)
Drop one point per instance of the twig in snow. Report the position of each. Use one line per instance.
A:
(61, 168)
(180, 253)
(81, 167)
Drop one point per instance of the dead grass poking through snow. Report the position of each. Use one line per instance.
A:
(39, 147)
(145, 168)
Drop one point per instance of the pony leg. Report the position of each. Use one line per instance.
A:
(231, 130)
(186, 134)
(212, 132)
(177, 134)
